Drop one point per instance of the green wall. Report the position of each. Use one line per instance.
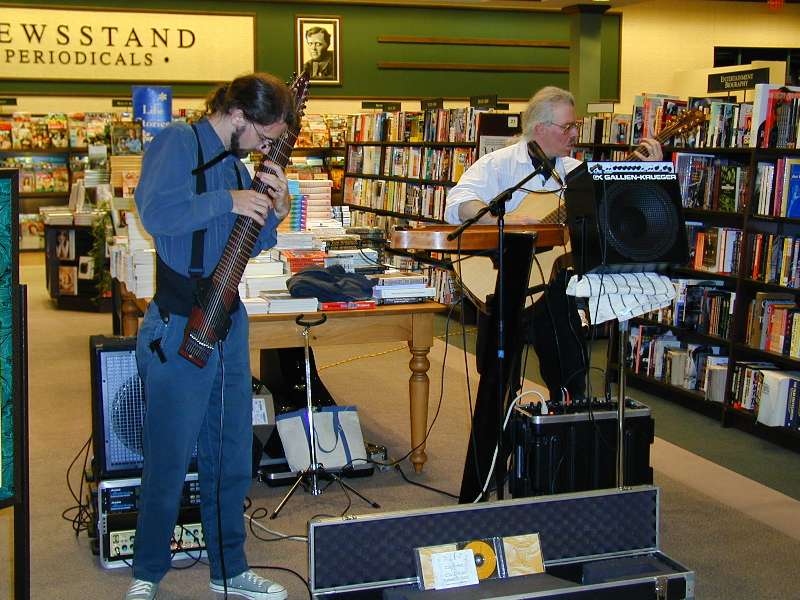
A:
(360, 27)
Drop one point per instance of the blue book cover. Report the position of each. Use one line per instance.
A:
(793, 192)
(153, 107)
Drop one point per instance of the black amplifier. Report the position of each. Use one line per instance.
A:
(577, 451)
(118, 508)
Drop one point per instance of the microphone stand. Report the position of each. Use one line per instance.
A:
(497, 207)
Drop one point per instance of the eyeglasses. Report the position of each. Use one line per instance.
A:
(565, 127)
(263, 139)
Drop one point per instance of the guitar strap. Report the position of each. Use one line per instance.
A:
(198, 236)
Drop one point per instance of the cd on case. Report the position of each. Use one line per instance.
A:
(495, 557)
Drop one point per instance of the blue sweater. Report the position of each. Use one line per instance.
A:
(170, 209)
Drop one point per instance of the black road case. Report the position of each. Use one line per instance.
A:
(601, 544)
(577, 451)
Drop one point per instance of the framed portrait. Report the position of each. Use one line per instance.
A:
(317, 49)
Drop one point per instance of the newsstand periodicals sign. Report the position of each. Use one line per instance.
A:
(106, 45)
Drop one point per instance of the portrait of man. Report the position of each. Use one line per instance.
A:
(318, 46)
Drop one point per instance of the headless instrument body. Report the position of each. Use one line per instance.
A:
(210, 317)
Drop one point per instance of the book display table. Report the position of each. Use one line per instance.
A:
(411, 323)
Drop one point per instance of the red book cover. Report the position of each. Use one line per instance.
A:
(351, 305)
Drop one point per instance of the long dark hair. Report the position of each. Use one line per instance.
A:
(263, 98)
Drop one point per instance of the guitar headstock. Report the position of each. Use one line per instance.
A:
(299, 87)
(683, 124)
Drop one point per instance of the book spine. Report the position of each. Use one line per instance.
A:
(406, 300)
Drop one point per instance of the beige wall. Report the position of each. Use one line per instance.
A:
(660, 37)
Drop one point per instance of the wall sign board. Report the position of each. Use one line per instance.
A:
(111, 45)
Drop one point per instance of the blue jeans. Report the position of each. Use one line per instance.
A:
(185, 407)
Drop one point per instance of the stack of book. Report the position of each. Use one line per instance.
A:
(56, 215)
(87, 216)
(255, 306)
(298, 240)
(141, 279)
(138, 238)
(318, 198)
(342, 214)
(283, 302)
(125, 171)
(401, 288)
(353, 261)
(297, 260)
(296, 218)
(262, 274)
(326, 230)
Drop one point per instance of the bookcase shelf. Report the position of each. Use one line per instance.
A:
(45, 152)
(743, 290)
(726, 218)
(408, 144)
(779, 220)
(689, 398)
(768, 287)
(745, 152)
(688, 273)
(391, 213)
(318, 150)
(687, 334)
(44, 195)
(745, 350)
(445, 183)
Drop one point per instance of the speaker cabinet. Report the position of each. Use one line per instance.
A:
(625, 217)
(118, 408)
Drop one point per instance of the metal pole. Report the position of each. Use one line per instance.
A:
(622, 328)
(315, 491)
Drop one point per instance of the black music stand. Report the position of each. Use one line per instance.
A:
(497, 207)
(312, 474)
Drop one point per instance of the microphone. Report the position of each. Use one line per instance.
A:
(540, 160)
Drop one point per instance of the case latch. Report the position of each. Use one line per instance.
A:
(661, 588)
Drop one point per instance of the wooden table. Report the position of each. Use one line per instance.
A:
(411, 323)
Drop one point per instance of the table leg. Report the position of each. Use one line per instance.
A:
(418, 387)
(130, 315)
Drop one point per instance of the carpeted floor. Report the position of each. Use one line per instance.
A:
(733, 554)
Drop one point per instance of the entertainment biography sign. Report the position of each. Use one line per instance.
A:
(111, 45)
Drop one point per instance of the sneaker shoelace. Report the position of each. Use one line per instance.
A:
(255, 579)
(140, 586)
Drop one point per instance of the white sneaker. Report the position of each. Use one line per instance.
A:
(142, 590)
(250, 585)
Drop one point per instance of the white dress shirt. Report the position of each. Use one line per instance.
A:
(499, 170)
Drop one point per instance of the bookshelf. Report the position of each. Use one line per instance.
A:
(752, 278)
(45, 175)
(400, 165)
(407, 180)
(69, 269)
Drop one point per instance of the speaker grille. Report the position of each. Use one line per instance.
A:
(124, 410)
(640, 222)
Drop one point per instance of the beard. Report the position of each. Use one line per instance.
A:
(235, 147)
